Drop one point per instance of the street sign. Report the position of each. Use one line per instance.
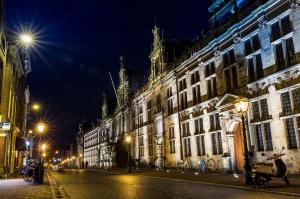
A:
(5, 126)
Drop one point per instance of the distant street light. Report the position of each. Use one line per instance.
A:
(241, 106)
(36, 107)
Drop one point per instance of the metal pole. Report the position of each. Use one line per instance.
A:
(247, 166)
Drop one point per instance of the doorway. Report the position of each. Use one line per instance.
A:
(238, 146)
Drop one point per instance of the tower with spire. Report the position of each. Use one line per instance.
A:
(123, 89)
(156, 53)
(104, 107)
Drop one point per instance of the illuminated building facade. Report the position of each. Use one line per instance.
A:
(185, 110)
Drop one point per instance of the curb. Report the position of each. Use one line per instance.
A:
(58, 192)
(207, 183)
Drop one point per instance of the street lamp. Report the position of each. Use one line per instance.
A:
(43, 147)
(41, 127)
(241, 106)
(36, 107)
(26, 39)
(128, 141)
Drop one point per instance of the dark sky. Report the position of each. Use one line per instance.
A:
(79, 41)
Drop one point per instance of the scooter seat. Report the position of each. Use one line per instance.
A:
(265, 164)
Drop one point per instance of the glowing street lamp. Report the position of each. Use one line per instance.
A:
(44, 146)
(26, 39)
(128, 139)
(41, 127)
(241, 106)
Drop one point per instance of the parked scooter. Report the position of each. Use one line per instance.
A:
(263, 172)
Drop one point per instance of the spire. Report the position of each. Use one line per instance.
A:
(104, 106)
(156, 36)
(122, 65)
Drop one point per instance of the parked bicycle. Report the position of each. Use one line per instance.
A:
(28, 170)
(183, 165)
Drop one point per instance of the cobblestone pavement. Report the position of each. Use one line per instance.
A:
(92, 184)
(19, 189)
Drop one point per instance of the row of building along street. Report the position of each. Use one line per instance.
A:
(184, 110)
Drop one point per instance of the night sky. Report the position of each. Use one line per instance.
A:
(79, 42)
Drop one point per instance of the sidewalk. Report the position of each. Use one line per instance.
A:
(213, 179)
(19, 189)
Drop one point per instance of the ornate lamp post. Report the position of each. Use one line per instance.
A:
(241, 106)
(128, 141)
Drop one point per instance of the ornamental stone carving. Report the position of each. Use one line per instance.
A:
(237, 38)
(262, 22)
(217, 51)
(295, 4)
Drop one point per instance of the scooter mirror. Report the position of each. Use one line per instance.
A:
(263, 154)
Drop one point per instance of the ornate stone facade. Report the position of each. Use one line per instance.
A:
(186, 112)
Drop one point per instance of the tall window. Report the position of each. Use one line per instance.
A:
(172, 139)
(187, 147)
(290, 51)
(149, 115)
(158, 103)
(279, 55)
(141, 144)
(185, 129)
(141, 121)
(182, 85)
(210, 69)
(211, 87)
(281, 28)
(216, 143)
(291, 134)
(228, 58)
(150, 144)
(196, 94)
(286, 103)
(260, 110)
(231, 78)
(199, 126)
(195, 77)
(200, 143)
(170, 100)
(183, 100)
(290, 101)
(252, 44)
(263, 137)
(214, 121)
(255, 68)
